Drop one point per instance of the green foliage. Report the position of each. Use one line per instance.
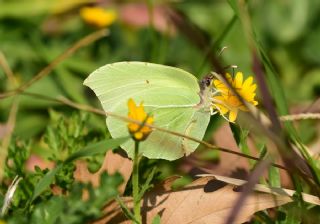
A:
(65, 137)
(71, 209)
(156, 219)
(67, 140)
(18, 154)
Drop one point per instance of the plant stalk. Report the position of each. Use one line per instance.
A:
(135, 183)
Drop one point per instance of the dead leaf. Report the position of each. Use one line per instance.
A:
(263, 188)
(206, 200)
(223, 138)
(116, 162)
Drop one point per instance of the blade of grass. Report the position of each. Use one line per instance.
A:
(126, 210)
(45, 182)
(289, 155)
(296, 164)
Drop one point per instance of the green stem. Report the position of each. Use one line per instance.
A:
(135, 183)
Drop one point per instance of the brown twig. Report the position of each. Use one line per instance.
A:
(302, 116)
(6, 68)
(87, 108)
(45, 71)
(7, 138)
(12, 114)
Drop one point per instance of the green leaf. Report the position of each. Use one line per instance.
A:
(53, 208)
(126, 210)
(147, 184)
(156, 219)
(236, 131)
(45, 182)
(240, 135)
(97, 148)
(274, 177)
(170, 94)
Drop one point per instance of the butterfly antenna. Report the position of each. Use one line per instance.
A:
(233, 67)
(222, 50)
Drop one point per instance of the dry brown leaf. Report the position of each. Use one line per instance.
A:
(206, 200)
(263, 188)
(223, 138)
(113, 162)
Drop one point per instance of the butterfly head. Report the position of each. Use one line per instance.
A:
(206, 81)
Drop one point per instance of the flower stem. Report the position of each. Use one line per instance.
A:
(135, 183)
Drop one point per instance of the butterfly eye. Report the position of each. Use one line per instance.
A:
(206, 81)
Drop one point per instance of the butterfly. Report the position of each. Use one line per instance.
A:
(175, 98)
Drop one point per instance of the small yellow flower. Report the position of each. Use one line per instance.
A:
(98, 16)
(137, 113)
(226, 102)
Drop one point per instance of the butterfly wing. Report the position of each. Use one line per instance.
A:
(170, 94)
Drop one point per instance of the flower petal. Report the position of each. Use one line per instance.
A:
(226, 102)
(137, 113)
(233, 115)
(247, 82)
(238, 80)
(222, 109)
(138, 135)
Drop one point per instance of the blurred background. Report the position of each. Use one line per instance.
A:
(188, 34)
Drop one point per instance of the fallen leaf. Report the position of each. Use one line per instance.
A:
(116, 162)
(265, 189)
(206, 200)
(223, 138)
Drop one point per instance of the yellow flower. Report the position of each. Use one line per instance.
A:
(226, 102)
(98, 16)
(137, 113)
